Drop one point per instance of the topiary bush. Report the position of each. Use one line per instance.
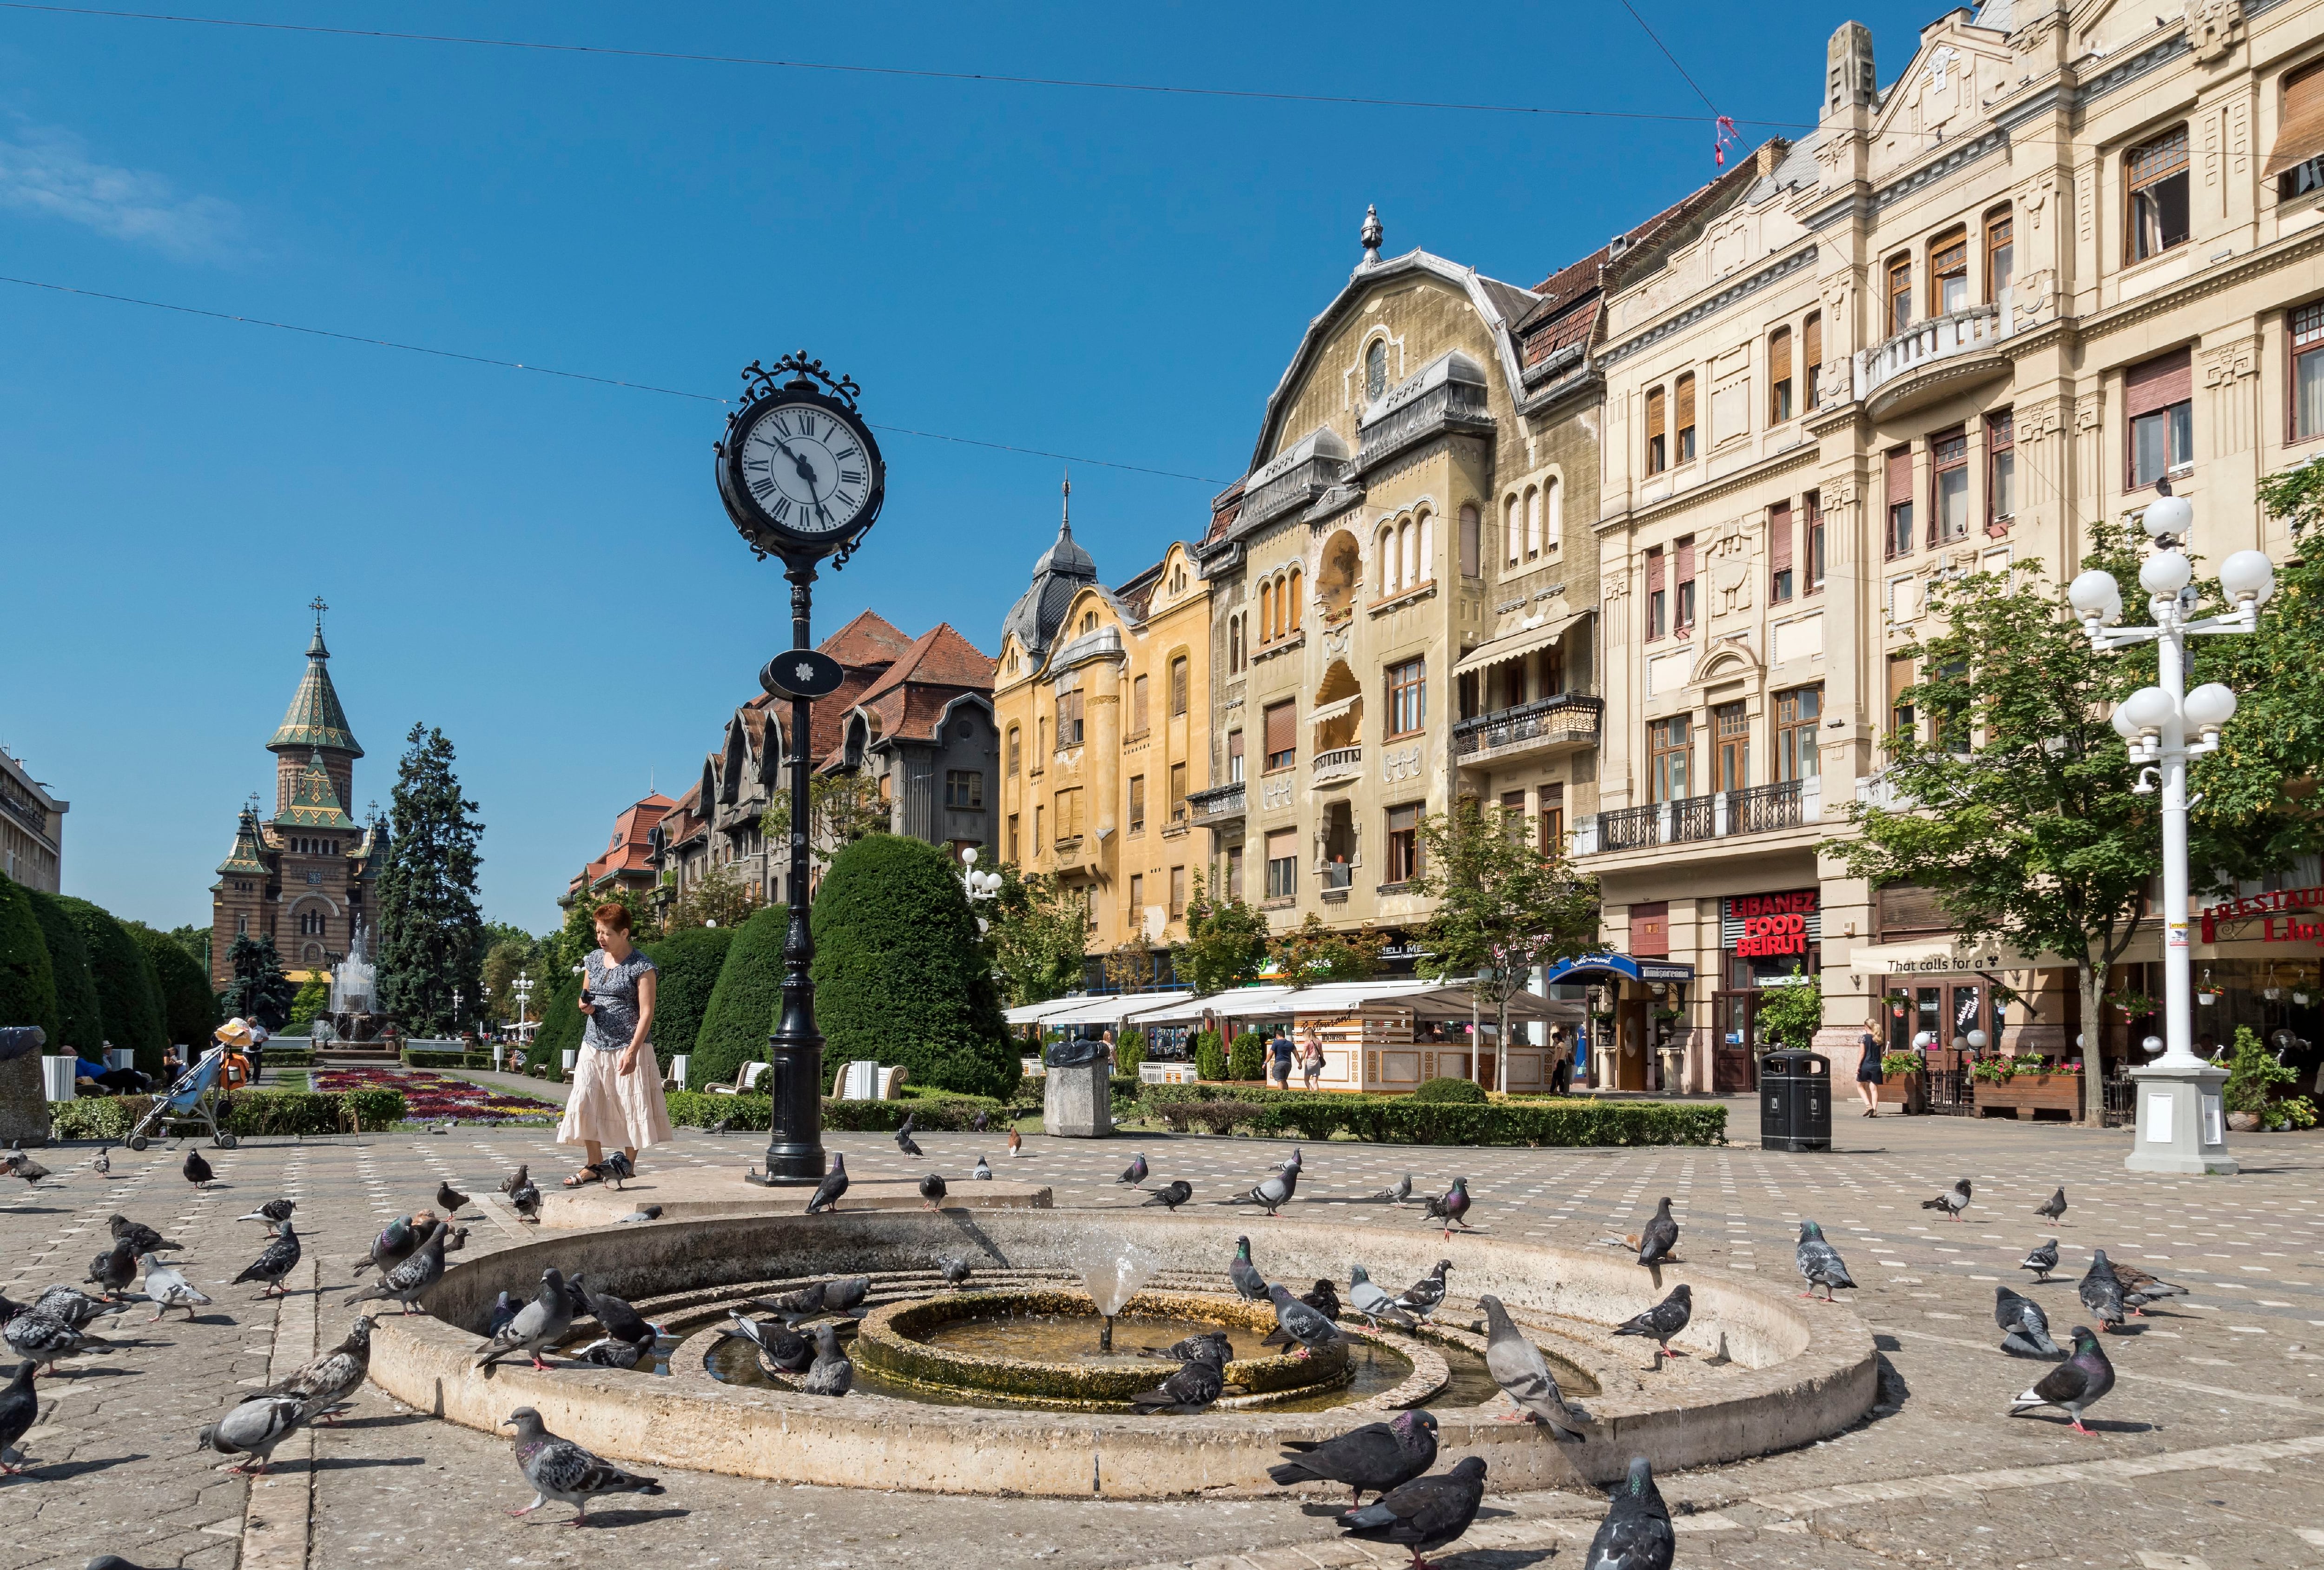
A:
(900, 973)
(126, 994)
(561, 1020)
(688, 963)
(698, 1110)
(1466, 1091)
(1405, 1119)
(248, 1112)
(1130, 1052)
(741, 1013)
(188, 1008)
(1247, 1059)
(28, 982)
(80, 1021)
(1210, 1054)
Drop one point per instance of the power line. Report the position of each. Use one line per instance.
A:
(1671, 58)
(570, 375)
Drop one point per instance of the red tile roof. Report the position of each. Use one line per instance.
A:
(627, 851)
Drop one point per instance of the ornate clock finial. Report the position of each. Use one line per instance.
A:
(1372, 236)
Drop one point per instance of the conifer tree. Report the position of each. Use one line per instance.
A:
(259, 991)
(431, 925)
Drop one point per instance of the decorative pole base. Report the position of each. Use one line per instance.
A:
(2182, 1127)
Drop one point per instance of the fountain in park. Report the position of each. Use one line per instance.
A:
(352, 1014)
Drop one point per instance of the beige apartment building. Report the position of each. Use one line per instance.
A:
(31, 828)
(2067, 251)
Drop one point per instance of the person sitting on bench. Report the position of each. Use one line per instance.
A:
(94, 1077)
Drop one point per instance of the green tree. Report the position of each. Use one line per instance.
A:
(79, 1017)
(741, 1013)
(1790, 1016)
(431, 926)
(259, 989)
(718, 898)
(2253, 1072)
(195, 941)
(688, 963)
(505, 959)
(1038, 929)
(188, 1008)
(579, 936)
(1210, 1054)
(310, 999)
(841, 808)
(1129, 1051)
(1247, 1056)
(127, 993)
(1226, 943)
(899, 973)
(1503, 906)
(1311, 952)
(559, 1009)
(28, 984)
(2012, 800)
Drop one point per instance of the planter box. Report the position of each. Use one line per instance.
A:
(2030, 1093)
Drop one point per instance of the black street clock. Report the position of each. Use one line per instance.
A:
(799, 470)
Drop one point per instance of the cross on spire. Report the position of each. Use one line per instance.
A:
(319, 607)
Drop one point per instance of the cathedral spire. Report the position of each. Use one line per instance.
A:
(315, 650)
(315, 718)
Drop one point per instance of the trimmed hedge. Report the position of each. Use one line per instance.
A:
(689, 963)
(80, 1021)
(740, 1015)
(1247, 1057)
(125, 991)
(248, 1113)
(414, 1058)
(698, 1110)
(188, 1008)
(561, 1020)
(28, 982)
(1447, 1090)
(281, 1057)
(1210, 1054)
(1402, 1120)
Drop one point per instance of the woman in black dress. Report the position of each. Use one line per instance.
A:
(1867, 1068)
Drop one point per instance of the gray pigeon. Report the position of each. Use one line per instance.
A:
(1661, 1236)
(1367, 1298)
(645, 1213)
(2139, 1288)
(2026, 1329)
(19, 1407)
(143, 1238)
(1248, 1284)
(983, 1173)
(2075, 1385)
(1952, 1201)
(168, 1290)
(517, 1179)
(2053, 1208)
(1196, 1383)
(827, 1192)
(276, 1261)
(1663, 1320)
(1170, 1195)
(2101, 1292)
(273, 1210)
(197, 1170)
(1271, 1192)
(2042, 1260)
(104, 1162)
(904, 1140)
(932, 1192)
(46, 1342)
(611, 1352)
(113, 1269)
(831, 1374)
(1424, 1514)
(1135, 1173)
(1212, 1344)
(395, 1243)
(1450, 1207)
(1426, 1295)
(803, 1304)
(254, 1428)
(845, 1295)
(409, 1281)
(615, 1314)
(1395, 1193)
(1306, 1325)
(1519, 1367)
(1636, 1534)
(449, 1199)
(1377, 1456)
(23, 1166)
(1819, 1264)
(321, 1385)
(504, 1310)
(71, 1306)
(779, 1346)
(558, 1469)
(525, 1200)
(955, 1272)
(543, 1322)
(615, 1164)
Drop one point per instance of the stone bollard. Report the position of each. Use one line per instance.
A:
(1077, 1102)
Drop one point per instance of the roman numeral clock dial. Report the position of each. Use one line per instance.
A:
(799, 472)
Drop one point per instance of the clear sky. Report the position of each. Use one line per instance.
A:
(540, 566)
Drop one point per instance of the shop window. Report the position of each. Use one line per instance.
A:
(1657, 600)
(1407, 697)
(1798, 711)
(1404, 853)
(1779, 552)
(1949, 273)
(1658, 451)
(1069, 719)
(2000, 467)
(2158, 399)
(1731, 728)
(2308, 364)
(1137, 706)
(1668, 745)
(1234, 757)
(1811, 354)
(1815, 553)
(1948, 486)
(1683, 419)
(1779, 375)
(1137, 804)
(1282, 721)
(2159, 192)
(1900, 295)
(964, 789)
(1283, 864)
(1472, 547)
(1898, 538)
(2000, 254)
(1177, 792)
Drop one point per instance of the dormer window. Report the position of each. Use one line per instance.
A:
(1089, 622)
(1376, 370)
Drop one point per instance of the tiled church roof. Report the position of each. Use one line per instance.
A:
(245, 860)
(314, 800)
(315, 718)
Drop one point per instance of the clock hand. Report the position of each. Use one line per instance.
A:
(804, 470)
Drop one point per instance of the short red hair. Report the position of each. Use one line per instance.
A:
(613, 914)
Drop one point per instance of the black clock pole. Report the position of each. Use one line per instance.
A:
(794, 1129)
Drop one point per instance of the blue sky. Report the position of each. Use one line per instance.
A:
(540, 566)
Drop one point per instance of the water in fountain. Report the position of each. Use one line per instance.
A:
(1112, 1271)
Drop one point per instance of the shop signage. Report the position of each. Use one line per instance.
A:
(1763, 926)
(2267, 907)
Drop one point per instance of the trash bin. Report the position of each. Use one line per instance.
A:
(1794, 1101)
(57, 1077)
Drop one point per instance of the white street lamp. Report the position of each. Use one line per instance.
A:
(2182, 1125)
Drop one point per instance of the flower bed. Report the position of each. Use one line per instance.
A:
(432, 1097)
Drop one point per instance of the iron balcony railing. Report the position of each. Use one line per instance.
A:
(1568, 716)
(1217, 805)
(1629, 828)
(1693, 818)
(1764, 806)
(1759, 809)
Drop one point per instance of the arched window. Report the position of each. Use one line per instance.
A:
(1295, 600)
(1234, 644)
(1512, 530)
(1532, 522)
(1427, 531)
(1553, 525)
(1407, 563)
(1386, 551)
(1376, 370)
(1266, 613)
(1016, 747)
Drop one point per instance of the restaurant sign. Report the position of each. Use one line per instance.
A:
(2273, 911)
(1761, 926)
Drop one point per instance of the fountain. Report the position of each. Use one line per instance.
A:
(351, 1016)
(1113, 1269)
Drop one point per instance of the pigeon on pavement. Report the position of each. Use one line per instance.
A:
(1952, 1201)
(2053, 1208)
(955, 1272)
(2139, 1288)
(276, 1261)
(1424, 1514)
(1171, 1195)
(273, 1210)
(71, 1306)
(409, 1281)
(1426, 1295)
(197, 1170)
(449, 1199)
(1268, 1192)
(2025, 1329)
(1819, 1264)
(932, 1192)
(1198, 1381)
(1135, 1173)
(2042, 1260)
(1374, 1458)
(543, 1322)
(780, 1347)
(831, 1374)
(2101, 1292)
(168, 1290)
(1636, 1534)
(1301, 1322)
(1291, 1163)
(518, 1178)
(393, 1245)
(645, 1213)
(1016, 1144)
(2075, 1385)
(904, 1140)
(1194, 1346)
(616, 1315)
(23, 1166)
(1395, 1193)
(1452, 1205)
(1367, 1298)
(983, 1173)
(1519, 1367)
(610, 1352)
(334, 1375)
(1661, 1236)
(558, 1469)
(1664, 1319)
(1248, 1284)
(143, 1239)
(113, 1269)
(104, 1162)
(19, 1406)
(45, 1341)
(982, 1121)
(827, 1192)
(525, 1200)
(253, 1428)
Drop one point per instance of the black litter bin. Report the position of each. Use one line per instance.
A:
(1794, 1102)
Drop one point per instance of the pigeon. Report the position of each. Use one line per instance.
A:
(409, 1280)
(2026, 1329)
(1198, 1383)
(1269, 1192)
(611, 1352)
(444, 1128)
(504, 1310)
(1194, 1346)
(2101, 1293)
(1952, 1201)
(1426, 1295)
(111, 1562)
(104, 1162)
(904, 1140)
(831, 1374)
(449, 1199)
(1171, 1195)
(1450, 1207)
(392, 1246)
(827, 1192)
(542, 1322)
(1519, 1367)
(932, 1192)
(803, 1304)
(619, 1319)
(779, 1346)
(1395, 1193)
(723, 1126)
(525, 1200)
(1819, 1264)
(2075, 1385)
(1636, 1534)
(2139, 1288)
(846, 1295)
(617, 1165)
(19, 1406)
(1016, 1144)
(517, 1179)
(1377, 1456)
(253, 1430)
(197, 1170)
(1248, 1284)
(46, 1342)
(321, 1385)
(113, 1269)
(2053, 1208)
(1661, 1236)
(168, 1289)
(955, 1272)
(23, 1166)
(1663, 1320)
(983, 1121)
(143, 1239)
(2042, 1260)
(273, 1210)
(645, 1213)
(1368, 1299)
(558, 1469)
(274, 1261)
(983, 1173)
(1135, 1173)
(1293, 1163)
(1301, 1322)
(1428, 1512)
(1322, 1297)
(74, 1308)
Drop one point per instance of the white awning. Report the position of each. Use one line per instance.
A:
(1516, 645)
(1034, 1013)
(1114, 1009)
(1241, 1004)
(1941, 956)
(1332, 711)
(1429, 1000)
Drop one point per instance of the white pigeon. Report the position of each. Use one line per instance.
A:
(168, 1290)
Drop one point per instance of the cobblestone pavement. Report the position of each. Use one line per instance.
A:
(2208, 1455)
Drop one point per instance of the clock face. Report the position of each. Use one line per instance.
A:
(809, 471)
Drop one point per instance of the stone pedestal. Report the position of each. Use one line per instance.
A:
(1077, 1103)
(2182, 1125)
(23, 1100)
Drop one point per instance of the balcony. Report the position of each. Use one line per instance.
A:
(1336, 878)
(1338, 765)
(1547, 726)
(1445, 395)
(1760, 809)
(1933, 359)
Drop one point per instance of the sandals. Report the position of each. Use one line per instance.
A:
(583, 1178)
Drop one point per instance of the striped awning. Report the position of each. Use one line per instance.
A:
(1516, 645)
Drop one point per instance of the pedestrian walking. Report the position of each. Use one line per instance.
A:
(1868, 1067)
(617, 1095)
(1311, 1056)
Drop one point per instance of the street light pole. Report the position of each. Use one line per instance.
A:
(2181, 1126)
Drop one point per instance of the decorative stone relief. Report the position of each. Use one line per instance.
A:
(1400, 764)
(2033, 299)
(2036, 36)
(2214, 27)
(2041, 417)
(1275, 790)
(2033, 197)
(2224, 369)
(1729, 566)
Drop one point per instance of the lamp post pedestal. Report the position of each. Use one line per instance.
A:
(2181, 1123)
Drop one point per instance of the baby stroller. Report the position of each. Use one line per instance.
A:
(195, 1099)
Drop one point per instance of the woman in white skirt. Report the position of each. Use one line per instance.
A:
(616, 1096)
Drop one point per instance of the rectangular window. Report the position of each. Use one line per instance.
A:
(1040, 737)
(1472, 547)
(1685, 419)
(1016, 748)
(1407, 697)
(1137, 704)
(1812, 353)
(1234, 872)
(2158, 397)
(1234, 757)
(1283, 864)
(1798, 712)
(1177, 792)
(1900, 682)
(1069, 720)
(1900, 295)
(1137, 803)
(2160, 194)
(1657, 454)
(1016, 845)
(1779, 375)
(2000, 255)
(1403, 843)
(1513, 816)
(2308, 361)
(1667, 745)
(1899, 540)
(1815, 541)
(1178, 687)
(1949, 485)
(2296, 161)
(1069, 814)
(1732, 728)
(1282, 734)
(965, 788)
(1779, 552)
(2000, 467)
(1037, 841)
(1949, 273)
(1658, 602)
(1137, 898)
(1177, 893)
(1551, 820)
(1683, 602)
